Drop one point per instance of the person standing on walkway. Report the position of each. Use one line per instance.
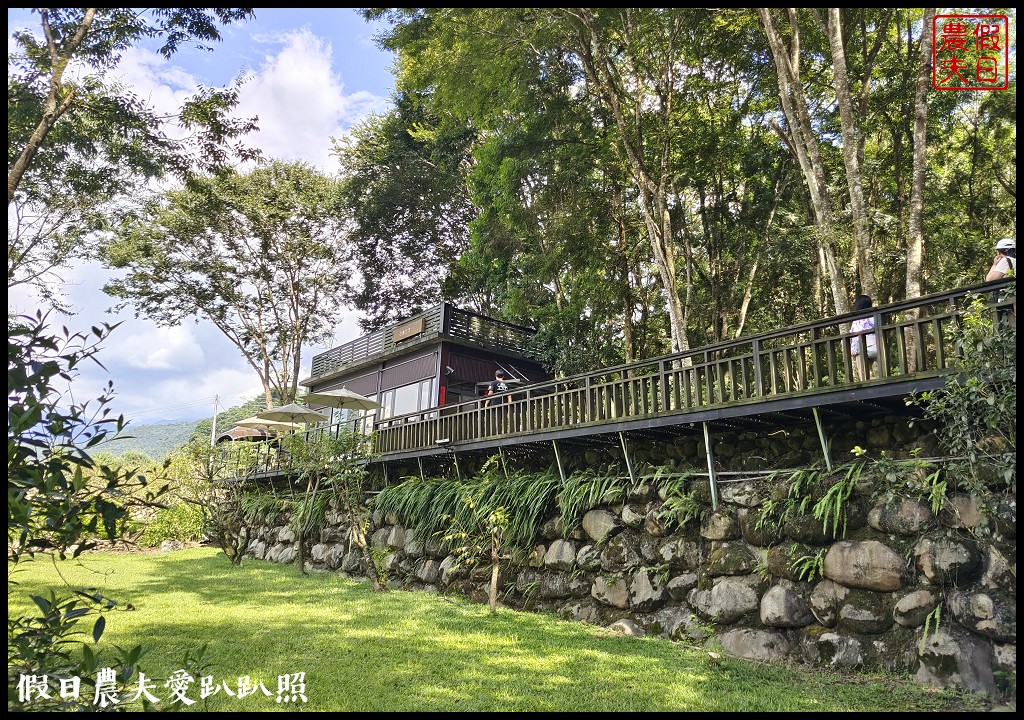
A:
(1005, 260)
(498, 385)
(863, 360)
(1003, 266)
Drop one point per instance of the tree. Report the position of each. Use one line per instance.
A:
(60, 502)
(263, 255)
(802, 141)
(76, 140)
(405, 188)
(333, 468)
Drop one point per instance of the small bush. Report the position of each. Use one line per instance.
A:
(182, 521)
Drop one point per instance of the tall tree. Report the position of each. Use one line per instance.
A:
(263, 255)
(915, 234)
(803, 143)
(852, 147)
(76, 140)
(405, 187)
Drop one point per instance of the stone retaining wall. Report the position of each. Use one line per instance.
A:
(870, 605)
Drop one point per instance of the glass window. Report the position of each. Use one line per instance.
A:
(408, 398)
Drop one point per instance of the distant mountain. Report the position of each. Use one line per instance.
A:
(157, 441)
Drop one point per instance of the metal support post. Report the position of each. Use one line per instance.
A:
(712, 479)
(823, 440)
(629, 460)
(558, 459)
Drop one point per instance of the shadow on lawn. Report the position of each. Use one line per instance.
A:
(418, 651)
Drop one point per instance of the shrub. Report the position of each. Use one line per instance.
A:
(182, 521)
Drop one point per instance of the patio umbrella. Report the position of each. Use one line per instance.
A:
(292, 413)
(255, 434)
(271, 425)
(341, 398)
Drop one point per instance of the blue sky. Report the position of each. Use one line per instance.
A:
(311, 74)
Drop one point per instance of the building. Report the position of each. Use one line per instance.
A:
(438, 358)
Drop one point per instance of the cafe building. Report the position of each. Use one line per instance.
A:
(437, 359)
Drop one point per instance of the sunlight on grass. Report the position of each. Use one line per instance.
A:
(415, 651)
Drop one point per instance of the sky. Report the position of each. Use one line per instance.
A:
(312, 74)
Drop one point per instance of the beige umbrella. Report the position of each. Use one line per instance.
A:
(238, 432)
(292, 413)
(277, 427)
(341, 398)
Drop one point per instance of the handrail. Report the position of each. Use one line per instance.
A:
(439, 321)
(913, 340)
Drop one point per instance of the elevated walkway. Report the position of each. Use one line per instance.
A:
(765, 381)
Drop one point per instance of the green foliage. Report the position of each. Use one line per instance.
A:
(798, 501)
(50, 644)
(282, 262)
(931, 624)
(527, 498)
(680, 507)
(182, 521)
(977, 408)
(79, 144)
(329, 468)
(809, 567)
(831, 508)
(58, 497)
(478, 538)
(155, 441)
(405, 187)
(912, 477)
(586, 489)
(551, 172)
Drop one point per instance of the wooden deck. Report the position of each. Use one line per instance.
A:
(442, 321)
(766, 379)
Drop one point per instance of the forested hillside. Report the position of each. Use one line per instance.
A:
(156, 441)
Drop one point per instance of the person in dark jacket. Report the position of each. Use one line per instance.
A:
(498, 385)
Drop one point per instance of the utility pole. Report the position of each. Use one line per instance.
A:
(213, 431)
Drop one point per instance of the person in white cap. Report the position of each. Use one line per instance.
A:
(1005, 261)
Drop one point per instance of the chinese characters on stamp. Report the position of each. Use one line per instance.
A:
(970, 52)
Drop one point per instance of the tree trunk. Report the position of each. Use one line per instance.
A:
(915, 233)
(495, 569)
(851, 161)
(52, 112)
(804, 145)
(369, 566)
(300, 556)
(652, 194)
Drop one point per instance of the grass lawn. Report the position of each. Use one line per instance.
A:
(415, 651)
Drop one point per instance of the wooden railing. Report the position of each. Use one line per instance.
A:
(914, 340)
(439, 321)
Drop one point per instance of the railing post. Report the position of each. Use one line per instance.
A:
(590, 414)
(663, 403)
(759, 387)
(883, 356)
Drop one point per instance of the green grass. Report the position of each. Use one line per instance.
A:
(415, 651)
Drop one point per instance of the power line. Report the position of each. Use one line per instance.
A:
(185, 406)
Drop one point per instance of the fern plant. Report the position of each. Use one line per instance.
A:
(680, 507)
(808, 567)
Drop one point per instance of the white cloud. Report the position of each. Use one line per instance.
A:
(299, 95)
(148, 347)
(300, 101)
